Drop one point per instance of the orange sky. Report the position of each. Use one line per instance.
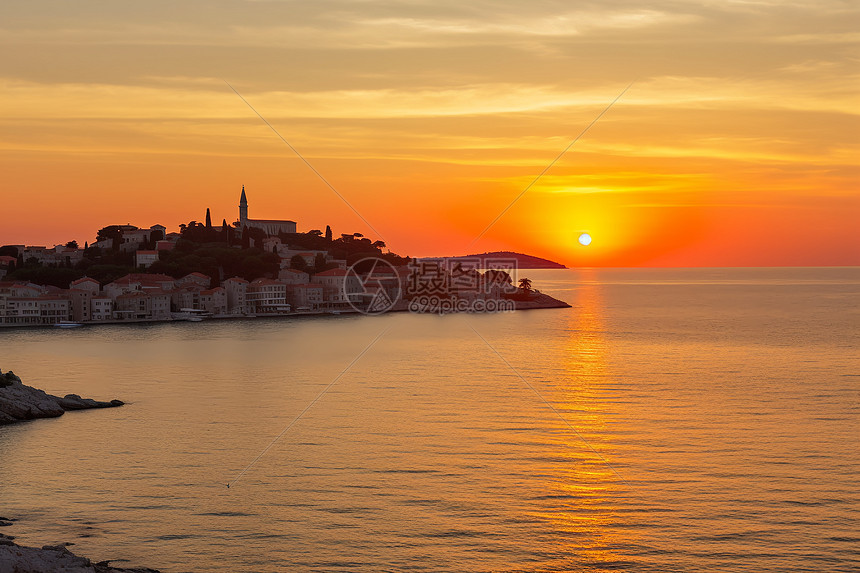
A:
(735, 146)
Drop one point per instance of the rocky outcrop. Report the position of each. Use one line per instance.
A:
(539, 300)
(19, 402)
(51, 558)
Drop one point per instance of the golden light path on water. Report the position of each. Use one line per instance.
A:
(588, 484)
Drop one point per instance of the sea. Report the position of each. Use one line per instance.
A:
(670, 420)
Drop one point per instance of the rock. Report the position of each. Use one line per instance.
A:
(540, 300)
(51, 558)
(19, 402)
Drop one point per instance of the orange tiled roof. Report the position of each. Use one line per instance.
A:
(332, 273)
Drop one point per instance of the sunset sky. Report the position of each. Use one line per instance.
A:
(736, 145)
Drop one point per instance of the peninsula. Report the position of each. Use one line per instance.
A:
(254, 267)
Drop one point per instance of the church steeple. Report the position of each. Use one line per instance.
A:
(243, 207)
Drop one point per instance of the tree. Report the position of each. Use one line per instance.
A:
(55, 276)
(319, 263)
(499, 279)
(298, 263)
(208, 219)
(526, 285)
(72, 245)
(328, 233)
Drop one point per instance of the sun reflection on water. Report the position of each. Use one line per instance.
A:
(587, 514)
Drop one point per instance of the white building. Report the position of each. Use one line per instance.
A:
(267, 296)
(101, 308)
(305, 297)
(144, 259)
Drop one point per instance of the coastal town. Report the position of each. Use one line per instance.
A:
(255, 267)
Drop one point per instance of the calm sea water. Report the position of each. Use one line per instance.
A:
(710, 422)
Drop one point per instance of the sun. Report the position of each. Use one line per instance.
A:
(584, 239)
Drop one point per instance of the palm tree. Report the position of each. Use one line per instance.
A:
(526, 285)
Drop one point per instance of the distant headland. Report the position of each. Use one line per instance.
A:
(523, 261)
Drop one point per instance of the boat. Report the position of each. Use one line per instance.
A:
(190, 315)
(68, 324)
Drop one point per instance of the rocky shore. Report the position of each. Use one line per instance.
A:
(19, 402)
(540, 300)
(16, 558)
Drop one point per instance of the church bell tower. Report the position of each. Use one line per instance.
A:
(243, 208)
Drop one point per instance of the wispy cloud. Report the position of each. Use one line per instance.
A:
(172, 99)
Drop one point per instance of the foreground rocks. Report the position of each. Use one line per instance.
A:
(19, 402)
(16, 558)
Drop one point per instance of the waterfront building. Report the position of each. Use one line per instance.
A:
(139, 282)
(305, 296)
(81, 303)
(237, 290)
(332, 282)
(152, 305)
(101, 308)
(214, 301)
(22, 311)
(267, 296)
(40, 310)
(185, 297)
